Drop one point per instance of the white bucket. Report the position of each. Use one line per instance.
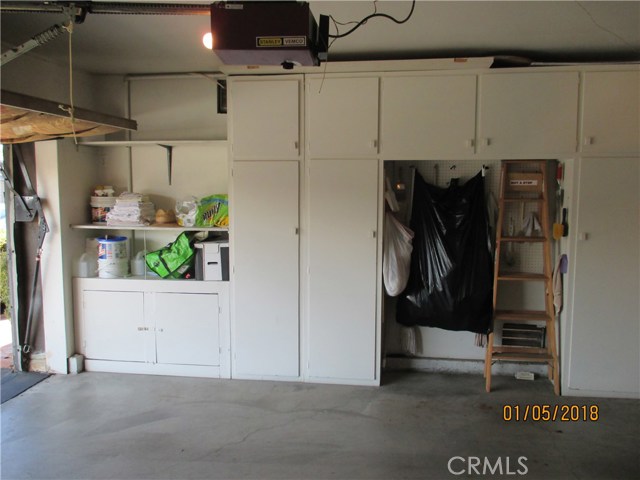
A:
(113, 268)
(112, 248)
(100, 206)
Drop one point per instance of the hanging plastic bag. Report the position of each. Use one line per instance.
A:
(176, 260)
(396, 261)
(451, 280)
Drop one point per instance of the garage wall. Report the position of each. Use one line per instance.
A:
(30, 75)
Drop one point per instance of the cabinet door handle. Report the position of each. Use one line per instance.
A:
(588, 140)
(375, 143)
(470, 143)
(296, 145)
(485, 142)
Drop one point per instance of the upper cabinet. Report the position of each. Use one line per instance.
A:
(428, 116)
(611, 107)
(264, 118)
(527, 113)
(342, 117)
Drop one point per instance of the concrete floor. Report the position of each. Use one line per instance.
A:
(99, 426)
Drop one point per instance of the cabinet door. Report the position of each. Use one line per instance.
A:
(186, 326)
(114, 327)
(265, 282)
(264, 119)
(428, 116)
(528, 113)
(342, 269)
(603, 347)
(343, 117)
(610, 113)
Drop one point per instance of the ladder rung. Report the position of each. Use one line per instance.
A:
(523, 239)
(523, 199)
(521, 276)
(519, 349)
(523, 357)
(521, 316)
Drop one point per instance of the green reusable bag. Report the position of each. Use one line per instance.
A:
(176, 260)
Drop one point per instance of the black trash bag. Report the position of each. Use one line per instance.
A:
(451, 281)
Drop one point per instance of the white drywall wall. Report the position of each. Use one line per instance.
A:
(182, 108)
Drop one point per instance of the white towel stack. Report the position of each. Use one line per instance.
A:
(131, 209)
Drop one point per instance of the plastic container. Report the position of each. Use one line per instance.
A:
(138, 265)
(86, 266)
(100, 206)
(113, 268)
(112, 248)
(91, 246)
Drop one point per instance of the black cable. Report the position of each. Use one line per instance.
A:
(373, 15)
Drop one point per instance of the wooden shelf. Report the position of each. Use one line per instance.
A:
(518, 316)
(521, 276)
(164, 227)
(140, 143)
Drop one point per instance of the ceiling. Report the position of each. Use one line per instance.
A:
(555, 31)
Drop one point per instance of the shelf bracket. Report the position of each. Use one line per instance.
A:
(169, 149)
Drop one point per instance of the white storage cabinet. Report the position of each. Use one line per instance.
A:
(264, 118)
(611, 112)
(342, 280)
(527, 114)
(603, 354)
(428, 117)
(342, 117)
(174, 327)
(265, 279)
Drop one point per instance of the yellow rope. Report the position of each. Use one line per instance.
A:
(70, 109)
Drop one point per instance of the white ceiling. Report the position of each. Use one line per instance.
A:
(539, 30)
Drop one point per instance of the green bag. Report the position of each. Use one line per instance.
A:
(176, 260)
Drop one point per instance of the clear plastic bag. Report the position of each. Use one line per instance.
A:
(396, 261)
(186, 211)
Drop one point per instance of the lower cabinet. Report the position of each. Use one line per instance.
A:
(186, 327)
(265, 281)
(153, 326)
(342, 285)
(602, 347)
(114, 326)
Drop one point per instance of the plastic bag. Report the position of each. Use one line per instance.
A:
(176, 260)
(213, 211)
(396, 261)
(186, 211)
(451, 280)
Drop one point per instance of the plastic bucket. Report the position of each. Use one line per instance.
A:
(113, 268)
(112, 248)
(100, 206)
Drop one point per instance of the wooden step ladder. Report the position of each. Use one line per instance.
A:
(523, 187)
